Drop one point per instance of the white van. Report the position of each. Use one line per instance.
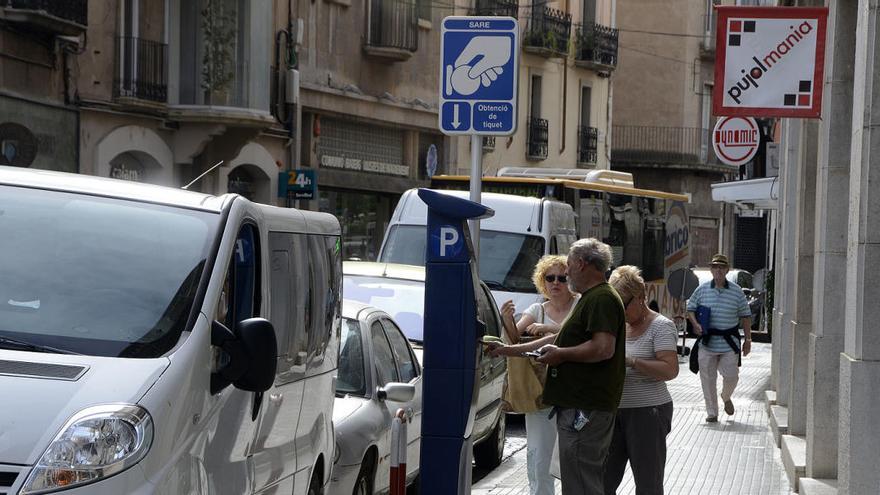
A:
(522, 230)
(154, 340)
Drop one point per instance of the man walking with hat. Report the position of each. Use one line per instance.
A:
(716, 309)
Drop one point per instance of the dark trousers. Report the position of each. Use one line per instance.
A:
(582, 452)
(640, 438)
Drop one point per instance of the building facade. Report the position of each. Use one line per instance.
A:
(663, 113)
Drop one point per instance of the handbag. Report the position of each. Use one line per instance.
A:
(524, 384)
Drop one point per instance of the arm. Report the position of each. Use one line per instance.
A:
(511, 329)
(497, 349)
(599, 348)
(694, 323)
(663, 367)
(747, 328)
(543, 328)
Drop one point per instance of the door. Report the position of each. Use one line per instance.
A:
(409, 371)
(385, 371)
(491, 369)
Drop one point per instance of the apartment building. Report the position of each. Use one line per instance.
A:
(569, 53)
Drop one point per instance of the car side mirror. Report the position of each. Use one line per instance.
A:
(396, 392)
(250, 355)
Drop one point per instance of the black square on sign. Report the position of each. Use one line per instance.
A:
(804, 86)
(733, 40)
(749, 26)
(790, 100)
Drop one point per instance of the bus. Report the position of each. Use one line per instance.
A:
(645, 228)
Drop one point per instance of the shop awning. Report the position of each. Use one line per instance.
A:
(760, 194)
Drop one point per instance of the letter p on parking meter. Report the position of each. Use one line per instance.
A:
(451, 347)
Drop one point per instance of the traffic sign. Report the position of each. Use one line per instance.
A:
(736, 140)
(478, 75)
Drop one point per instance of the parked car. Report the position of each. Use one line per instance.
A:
(743, 279)
(378, 374)
(399, 290)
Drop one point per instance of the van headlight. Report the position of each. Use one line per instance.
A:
(94, 444)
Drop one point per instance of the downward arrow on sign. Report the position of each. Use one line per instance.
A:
(455, 121)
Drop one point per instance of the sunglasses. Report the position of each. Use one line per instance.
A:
(553, 278)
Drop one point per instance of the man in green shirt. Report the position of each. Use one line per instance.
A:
(585, 369)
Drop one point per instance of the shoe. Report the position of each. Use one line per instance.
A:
(728, 407)
(712, 419)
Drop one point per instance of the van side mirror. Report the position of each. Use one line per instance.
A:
(396, 392)
(251, 351)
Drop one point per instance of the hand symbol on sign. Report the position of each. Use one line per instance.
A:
(481, 61)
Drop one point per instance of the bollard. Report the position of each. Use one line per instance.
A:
(398, 444)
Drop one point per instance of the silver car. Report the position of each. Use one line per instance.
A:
(378, 375)
(400, 291)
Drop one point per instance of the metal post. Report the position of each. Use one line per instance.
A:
(476, 186)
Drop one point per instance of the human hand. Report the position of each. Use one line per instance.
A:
(550, 355)
(508, 309)
(746, 347)
(538, 329)
(494, 51)
(697, 328)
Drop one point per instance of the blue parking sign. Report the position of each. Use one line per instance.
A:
(478, 75)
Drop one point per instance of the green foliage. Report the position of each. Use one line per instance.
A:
(218, 29)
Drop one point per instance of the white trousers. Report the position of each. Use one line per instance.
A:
(540, 439)
(712, 363)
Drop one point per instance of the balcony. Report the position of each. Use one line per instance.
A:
(538, 138)
(633, 145)
(509, 8)
(62, 17)
(595, 47)
(548, 32)
(393, 30)
(141, 70)
(588, 145)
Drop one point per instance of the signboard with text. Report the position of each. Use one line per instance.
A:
(736, 140)
(770, 61)
(478, 75)
(297, 184)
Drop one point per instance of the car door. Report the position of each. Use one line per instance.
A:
(491, 369)
(385, 371)
(410, 372)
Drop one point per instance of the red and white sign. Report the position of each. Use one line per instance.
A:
(770, 61)
(736, 140)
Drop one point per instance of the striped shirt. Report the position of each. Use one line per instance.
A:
(727, 304)
(639, 389)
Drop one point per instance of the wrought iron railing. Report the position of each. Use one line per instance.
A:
(588, 144)
(654, 144)
(141, 70)
(394, 24)
(538, 138)
(71, 10)
(548, 29)
(596, 44)
(496, 7)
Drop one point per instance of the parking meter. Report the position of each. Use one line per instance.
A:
(451, 345)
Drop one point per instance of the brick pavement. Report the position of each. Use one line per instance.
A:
(740, 447)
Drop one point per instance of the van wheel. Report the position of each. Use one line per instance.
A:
(315, 486)
(364, 483)
(488, 453)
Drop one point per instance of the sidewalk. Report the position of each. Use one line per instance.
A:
(741, 449)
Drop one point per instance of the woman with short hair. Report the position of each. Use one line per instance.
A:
(644, 416)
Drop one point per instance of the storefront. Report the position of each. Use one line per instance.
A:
(38, 135)
(363, 168)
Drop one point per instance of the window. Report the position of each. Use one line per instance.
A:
(535, 108)
(487, 312)
(589, 13)
(350, 377)
(244, 281)
(382, 355)
(324, 275)
(406, 363)
(586, 99)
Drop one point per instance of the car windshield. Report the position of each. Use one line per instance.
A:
(506, 259)
(98, 276)
(404, 300)
(350, 376)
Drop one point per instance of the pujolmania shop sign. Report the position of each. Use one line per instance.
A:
(770, 61)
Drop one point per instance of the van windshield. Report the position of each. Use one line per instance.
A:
(506, 259)
(97, 276)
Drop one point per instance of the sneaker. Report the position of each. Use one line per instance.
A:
(728, 407)
(712, 419)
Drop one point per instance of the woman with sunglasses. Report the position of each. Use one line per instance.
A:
(525, 377)
(644, 416)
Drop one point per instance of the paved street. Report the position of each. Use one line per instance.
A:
(741, 449)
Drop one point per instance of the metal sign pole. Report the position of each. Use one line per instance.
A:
(476, 186)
